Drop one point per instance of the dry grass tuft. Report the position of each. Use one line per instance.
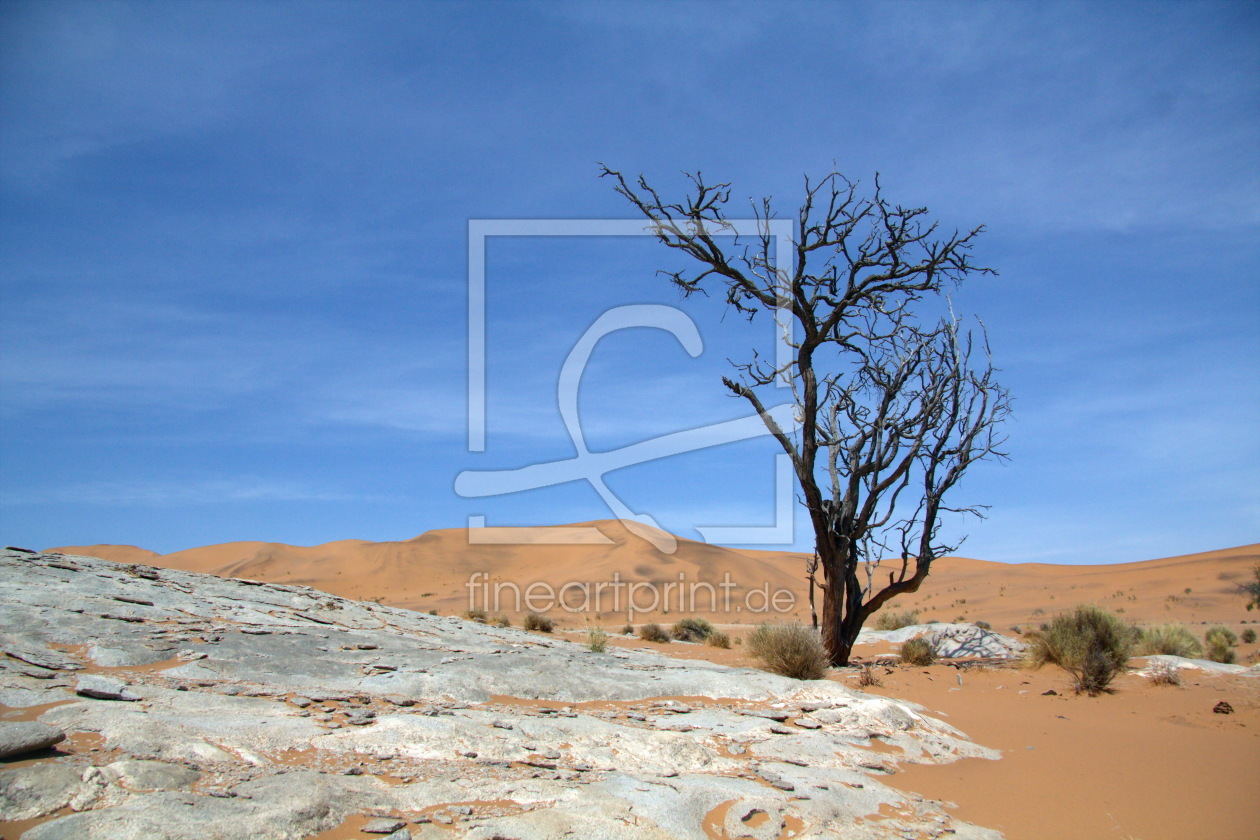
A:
(539, 622)
(1163, 673)
(867, 678)
(1169, 640)
(476, 614)
(718, 639)
(791, 650)
(896, 619)
(654, 633)
(596, 640)
(692, 630)
(917, 652)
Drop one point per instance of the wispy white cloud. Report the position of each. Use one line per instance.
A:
(167, 493)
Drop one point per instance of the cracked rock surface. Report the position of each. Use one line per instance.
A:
(200, 707)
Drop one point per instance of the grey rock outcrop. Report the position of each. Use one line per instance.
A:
(950, 641)
(19, 738)
(272, 711)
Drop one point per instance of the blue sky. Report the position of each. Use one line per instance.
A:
(233, 266)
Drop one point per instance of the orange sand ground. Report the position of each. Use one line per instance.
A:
(1143, 763)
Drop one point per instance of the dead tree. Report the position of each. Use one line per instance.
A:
(811, 571)
(892, 407)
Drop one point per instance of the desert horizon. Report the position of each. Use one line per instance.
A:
(433, 571)
(1153, 736)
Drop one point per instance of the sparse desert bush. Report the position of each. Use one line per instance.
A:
(1217, 651)
(791, 650)
(917, 652)
(502, 621)
(896, 619)
(1223, 634)
(596, 640)
(1015, 629)
(476, 614)
(628, 630)
(1163, 673)
(653, 633)
(1170, 640)
(983, 625)
(1251, 589)
(1249, 636)
(718, 639)
(1220, 643)
(692, 630)
(539, 622)
(867, 678)
(1089, 643)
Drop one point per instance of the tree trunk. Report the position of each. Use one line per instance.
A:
(833, 620)
(843, 608)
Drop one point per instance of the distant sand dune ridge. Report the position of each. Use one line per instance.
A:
(434, 571)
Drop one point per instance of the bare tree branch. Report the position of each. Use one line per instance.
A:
(894, 399)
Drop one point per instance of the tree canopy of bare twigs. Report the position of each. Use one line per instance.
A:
(895, 397)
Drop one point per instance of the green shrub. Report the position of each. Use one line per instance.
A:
(1169, 640)
(791, 650)
(536, 621)
(917, 652)
(1221, 635)
(692, 630)
(1251, 589)
(896, 619)
(596, 640)
(653, 633)
(1089, 643)
(1218, 651)
(1249, 636)
(718, 639)
(1220, 643)
(476, 614)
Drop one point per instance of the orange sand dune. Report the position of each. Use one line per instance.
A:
(433, 571)
(114, 553)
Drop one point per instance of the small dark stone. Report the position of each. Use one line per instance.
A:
(1223, 708)
(1050, 693)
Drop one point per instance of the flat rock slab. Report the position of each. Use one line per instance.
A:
(26, 737)
(104, 688)
(233, 709)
